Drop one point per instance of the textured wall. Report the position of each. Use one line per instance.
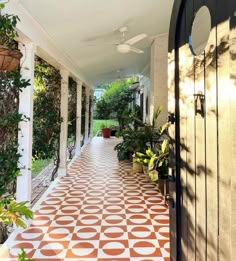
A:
(159, 77)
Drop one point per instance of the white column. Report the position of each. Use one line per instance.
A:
(64, 125)
(159, 78)
(87, 116)
(25, 134)
(78, 118)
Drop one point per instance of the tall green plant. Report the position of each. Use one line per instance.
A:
(46, 125)
(103, 110)
(118, 98)
(140, 136)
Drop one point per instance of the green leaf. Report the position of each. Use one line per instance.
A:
(14, 212)
(151, 162)
(165, 146)
(153, 175)
(2, 5)
(22, 256)
(164, 127)
(149, 152)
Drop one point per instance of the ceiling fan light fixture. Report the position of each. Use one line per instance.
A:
(123, 48)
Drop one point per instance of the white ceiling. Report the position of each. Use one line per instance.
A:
(86, 31)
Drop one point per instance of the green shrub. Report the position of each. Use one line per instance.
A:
(47, 119)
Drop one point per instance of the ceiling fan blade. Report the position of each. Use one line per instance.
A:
(135, 50)
(135, 39)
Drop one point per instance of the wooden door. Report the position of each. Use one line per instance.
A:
(202, 96)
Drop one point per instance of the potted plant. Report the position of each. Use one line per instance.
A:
(9, 54)
(106, 132)
(142, 159)
(155, 163)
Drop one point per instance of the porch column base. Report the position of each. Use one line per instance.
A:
(61, 172)
(77, 151)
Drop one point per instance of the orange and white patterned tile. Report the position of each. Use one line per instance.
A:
(97, 212)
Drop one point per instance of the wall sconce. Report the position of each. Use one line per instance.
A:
(199, 103)
(171, 118)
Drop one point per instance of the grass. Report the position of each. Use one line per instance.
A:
(38, 166)
(97, 125)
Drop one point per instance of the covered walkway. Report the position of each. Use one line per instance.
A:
(97, 212)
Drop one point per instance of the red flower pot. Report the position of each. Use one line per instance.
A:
(106, 132)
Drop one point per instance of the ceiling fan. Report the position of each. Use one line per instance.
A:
(126, 46)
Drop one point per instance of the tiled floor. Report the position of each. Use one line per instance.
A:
(97, 212)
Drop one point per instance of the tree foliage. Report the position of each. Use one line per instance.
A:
(46, 125)
(103, 110)
(116, 101)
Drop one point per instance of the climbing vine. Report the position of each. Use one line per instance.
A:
(46, 124)
(83, 111)
(72, 117)
(11, 84)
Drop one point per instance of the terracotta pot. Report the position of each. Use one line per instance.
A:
(9, 59)
(106, 132)
(137, 168)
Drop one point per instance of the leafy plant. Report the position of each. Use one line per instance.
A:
(22, 256)
(133, 140)
(14, 212)
(160, 162)
(115, 101)
(47, 119)
(157, 161)
(141, 158)
(118, 98)
(8, 31)
(71, 118)
(11, 84)
(103, 110)
(140, 136)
